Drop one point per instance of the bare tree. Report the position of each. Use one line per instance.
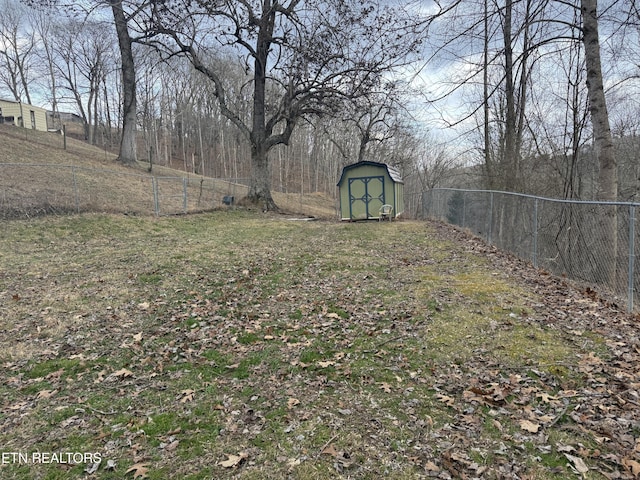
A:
(82, 52)
(559, 123)
(128, 143)
(17, 51)
(491, 45)
(42, 26)
(121, 21)
(603, 142)
(377, 117)
(303, 60)
(608, 180)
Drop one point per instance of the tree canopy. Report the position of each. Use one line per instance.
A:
(305, 59)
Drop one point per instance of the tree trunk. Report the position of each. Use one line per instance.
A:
(608, 181)
(603, 143)
(128, 151)
(510, 148)
(488, 158)
(260, 188)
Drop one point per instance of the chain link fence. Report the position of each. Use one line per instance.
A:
(75, 189)
(593, 242)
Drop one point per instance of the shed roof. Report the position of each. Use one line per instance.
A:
(394, 173)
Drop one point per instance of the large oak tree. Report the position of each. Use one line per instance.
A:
(303, 58)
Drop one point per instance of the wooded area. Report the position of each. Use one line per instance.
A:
(534, 97)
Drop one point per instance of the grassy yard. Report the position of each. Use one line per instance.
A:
(237, 345)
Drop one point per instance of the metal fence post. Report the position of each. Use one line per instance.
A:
(184, 194)
(75, 188)
(632, 235)
(490, 218)
(535, 232)
(156, 201)
(464, 209)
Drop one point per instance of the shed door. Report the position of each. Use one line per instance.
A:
(366, 196)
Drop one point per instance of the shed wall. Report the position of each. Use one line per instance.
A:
(350, 210)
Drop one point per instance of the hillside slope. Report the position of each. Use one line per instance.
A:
(39, 176)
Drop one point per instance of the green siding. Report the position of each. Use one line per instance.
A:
(365, 188)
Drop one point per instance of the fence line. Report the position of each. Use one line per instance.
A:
(73, 188)
(594, 242)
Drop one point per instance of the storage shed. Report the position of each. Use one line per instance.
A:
(365, 186)
(23, 115)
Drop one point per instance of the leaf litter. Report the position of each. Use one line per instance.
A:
(408, 350)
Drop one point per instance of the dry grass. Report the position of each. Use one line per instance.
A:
(85, 178)
(237, 345)
(234, 344)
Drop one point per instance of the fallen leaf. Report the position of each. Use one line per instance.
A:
(143, 305)
(122, 373)
(546, 418)
(385, 386)
(18, 406)
(565, 448)
(326, 364)
(330, 450)
(233, 460)
(545, 397)
(70, 421)
(292, 402)
(343, 459)
(631, 465)
(187, 395)
(139, 470)
(55, 375)
(46, 393)
(578, 463)
(431, 467)
(449, 401)
(172, 446)
(529, 426)
(137, 337)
